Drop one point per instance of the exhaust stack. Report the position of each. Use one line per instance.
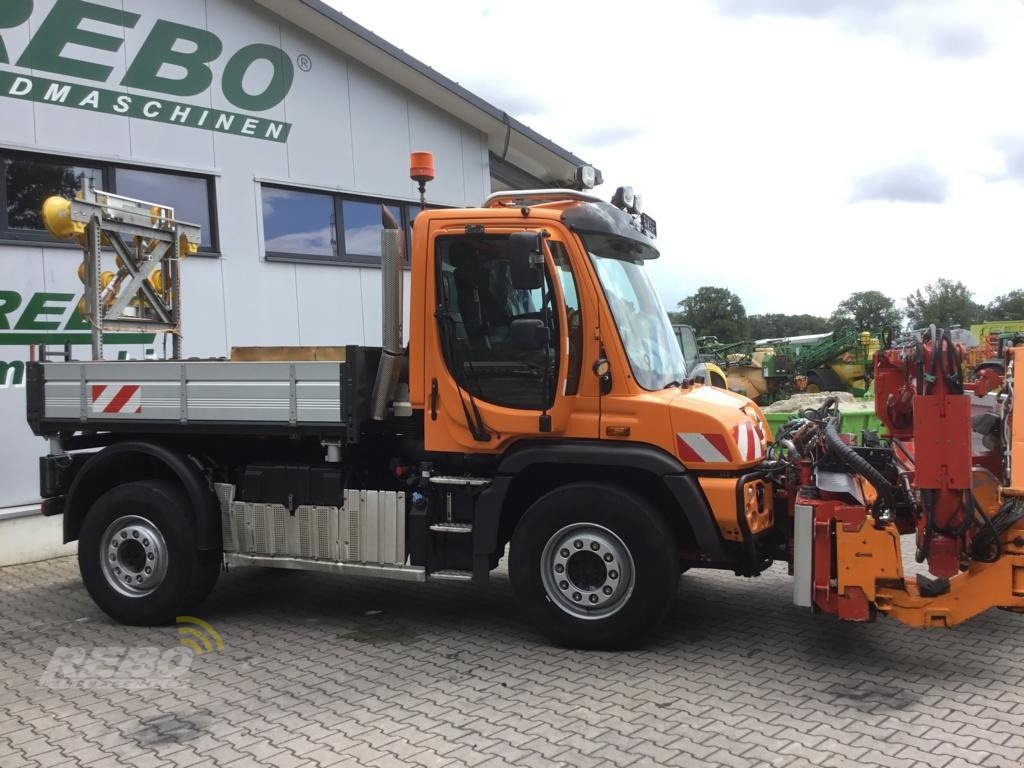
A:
(391, 263)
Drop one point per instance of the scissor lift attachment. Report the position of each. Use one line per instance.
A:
(143, 294)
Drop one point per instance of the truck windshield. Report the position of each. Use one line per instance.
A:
(641, 319)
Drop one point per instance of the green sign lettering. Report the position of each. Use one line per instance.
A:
(277, 88)
(61, 28)
(158, 50)
(33, 327)
(174, 59)
(158, 110)
(9, 302)
(13, 13)
(39, 306)
(12, 374)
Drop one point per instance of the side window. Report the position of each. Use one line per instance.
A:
(478, 304)
(28, 181)
(572, 312)
(188, 195)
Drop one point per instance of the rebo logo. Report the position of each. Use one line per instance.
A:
(186, 51)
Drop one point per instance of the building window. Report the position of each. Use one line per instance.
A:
(189, 196)
(300, 225)
(28, 179)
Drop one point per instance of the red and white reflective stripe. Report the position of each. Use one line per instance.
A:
(112, 398)
(747, 440)
(705, 447)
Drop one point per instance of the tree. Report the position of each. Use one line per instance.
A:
(780, 326)
(1009, 306)
(868, 311)
(943, 303)
(714, 312)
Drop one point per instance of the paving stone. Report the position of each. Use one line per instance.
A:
(446, 675)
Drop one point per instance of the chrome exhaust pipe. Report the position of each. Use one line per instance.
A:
(392, 281)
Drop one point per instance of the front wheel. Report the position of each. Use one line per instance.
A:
(594, 566)
(138, 556)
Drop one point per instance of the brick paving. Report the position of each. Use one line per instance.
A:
(324, 671)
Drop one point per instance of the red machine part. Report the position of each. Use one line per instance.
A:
(919, 397)
(851, 605)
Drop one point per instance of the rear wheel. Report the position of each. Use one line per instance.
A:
(594, 566)
(138, 556)
(824, 380)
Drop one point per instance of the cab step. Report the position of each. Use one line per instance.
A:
(460, 481)
(452, 528)
(451, 575)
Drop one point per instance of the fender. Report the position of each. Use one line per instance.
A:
(682, 486)
(117, 464)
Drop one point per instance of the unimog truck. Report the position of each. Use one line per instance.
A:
(539, 407)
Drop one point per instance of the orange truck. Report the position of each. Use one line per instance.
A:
(540, 408)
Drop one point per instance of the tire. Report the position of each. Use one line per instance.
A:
(140, 532)
(616, 541)
(824, 380)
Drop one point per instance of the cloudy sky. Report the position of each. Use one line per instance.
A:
(793, 151)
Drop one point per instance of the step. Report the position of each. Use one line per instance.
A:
(452, 528)
(451, 575)
(458, 480)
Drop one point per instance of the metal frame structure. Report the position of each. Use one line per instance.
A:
(145, 237)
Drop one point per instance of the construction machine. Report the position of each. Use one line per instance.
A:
(541, 410)
(699, 366)
(772, 369)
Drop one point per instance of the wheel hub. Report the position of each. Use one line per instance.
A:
(587, 571)
(133, 556)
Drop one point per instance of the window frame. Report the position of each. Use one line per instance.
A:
(13, 236)
(343, 258)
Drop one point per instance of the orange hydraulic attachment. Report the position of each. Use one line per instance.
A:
(866, 574)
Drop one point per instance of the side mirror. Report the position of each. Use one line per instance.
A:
(525, 260)
(529, 334)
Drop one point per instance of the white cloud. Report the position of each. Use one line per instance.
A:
(754, 129)
(318, 242)
(911, 183)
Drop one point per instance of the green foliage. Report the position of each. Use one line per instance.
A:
(1009, 306)
(713, 312)
(944, 303)
(867, 311)
(780, 326)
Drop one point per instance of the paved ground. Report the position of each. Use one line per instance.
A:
(320, 671)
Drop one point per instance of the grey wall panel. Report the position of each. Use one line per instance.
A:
(88, 131)
(18, 124)
(380, 133)
(21, 273)
(330, 305)
(433, 131)
(158, 142)
(370, 285)
(260, 299)
(475, 165)
(203, 313)
(318, 108)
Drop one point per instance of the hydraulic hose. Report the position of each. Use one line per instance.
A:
(858, 463)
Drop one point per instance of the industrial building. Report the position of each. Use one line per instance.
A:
(279, 126)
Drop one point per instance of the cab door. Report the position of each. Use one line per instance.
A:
(504, 359)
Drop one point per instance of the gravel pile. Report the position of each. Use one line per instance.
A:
(801, 400)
